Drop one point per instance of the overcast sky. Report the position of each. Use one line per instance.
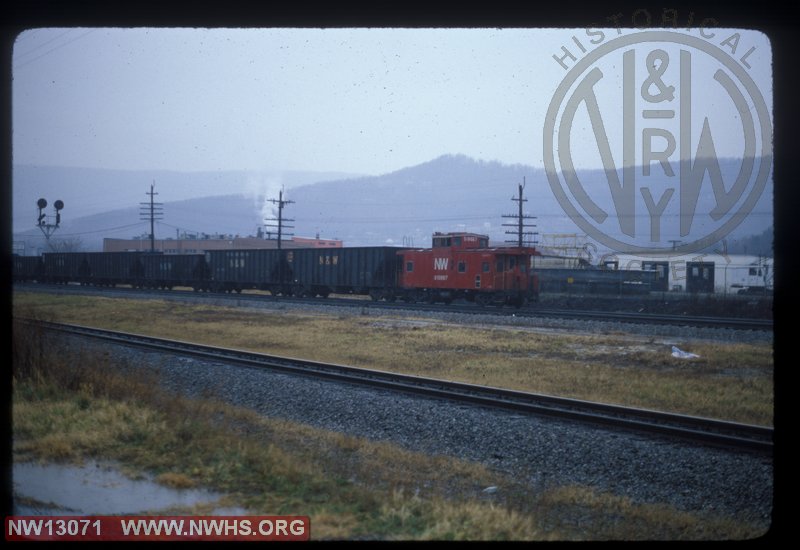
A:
(367, 101)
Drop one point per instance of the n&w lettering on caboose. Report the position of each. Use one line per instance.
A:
(440, 263)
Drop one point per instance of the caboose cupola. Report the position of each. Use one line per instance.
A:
(460, 241)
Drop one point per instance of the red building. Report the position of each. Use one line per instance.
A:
(189, 245)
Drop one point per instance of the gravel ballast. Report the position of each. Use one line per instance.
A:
(536, 452)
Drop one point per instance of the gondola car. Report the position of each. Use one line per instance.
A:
(304, 271)
(366, 270)
(237, 270)
(27, 268)
(170, 270)
(112, 268)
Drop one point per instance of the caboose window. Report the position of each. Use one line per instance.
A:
(512, 262)
(457, 241)
(462, 267)
(409, 266)
(486, 267)
(483, 243)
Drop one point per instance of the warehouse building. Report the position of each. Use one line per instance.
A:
(193, 244)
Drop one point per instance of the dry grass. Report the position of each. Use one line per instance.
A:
(729, 381)
(566, 509)
(69, 405)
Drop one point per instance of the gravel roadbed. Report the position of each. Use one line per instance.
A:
(536, 452)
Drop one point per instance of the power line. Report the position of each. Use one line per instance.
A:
(108, 229)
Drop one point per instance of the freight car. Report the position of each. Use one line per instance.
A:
(237, 270)
(595, 281)
(64, 267)
(305, 272)
(463, 266)
(352, 270)
(167, 271)
(27, 268)
(112, 268)
(458, 266)
(93, 268)
(136, 269)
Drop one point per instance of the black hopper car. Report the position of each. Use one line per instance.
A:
(294, 272)
(305, 272)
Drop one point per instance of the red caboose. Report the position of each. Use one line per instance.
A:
(461, 265)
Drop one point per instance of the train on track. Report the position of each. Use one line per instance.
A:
(457, 266)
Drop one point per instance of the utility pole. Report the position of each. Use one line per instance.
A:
(520, 224)
(151, 211)
(279, 221)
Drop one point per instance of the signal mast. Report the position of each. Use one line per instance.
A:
(47, 227)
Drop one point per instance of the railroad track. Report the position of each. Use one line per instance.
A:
(661, 319)
(528, 312)
(701, 430)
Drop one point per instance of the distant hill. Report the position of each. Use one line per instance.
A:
(449, 193)
(454, 192)
(89, 191)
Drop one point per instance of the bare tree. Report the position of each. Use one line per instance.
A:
(73, 244)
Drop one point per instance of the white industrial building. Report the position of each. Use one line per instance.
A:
(700, 272)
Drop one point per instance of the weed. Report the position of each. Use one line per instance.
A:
(71, 403)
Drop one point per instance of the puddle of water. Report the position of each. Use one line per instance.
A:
(94, 489)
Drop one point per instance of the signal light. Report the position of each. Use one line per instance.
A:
(42, 218)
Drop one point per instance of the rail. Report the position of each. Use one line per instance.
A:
(701, 430)
(734, 323)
